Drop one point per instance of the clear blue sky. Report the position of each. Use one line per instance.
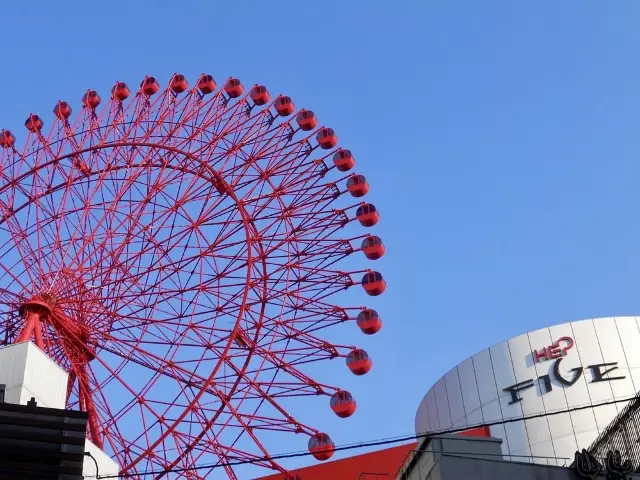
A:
(500, 139)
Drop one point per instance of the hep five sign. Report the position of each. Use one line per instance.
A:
(553, 351)
(600, 372)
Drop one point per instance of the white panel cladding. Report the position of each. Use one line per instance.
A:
(563, 444)
(486, 384)
(432, 410)
(521, 364)
(581, 421)
(577, 395)
(45, 379)
(610, 346)
(590, 354)
(539, 438)
(503, 374)
(584, 334)
(498, 431)
(106, 465)
(475, 389)
(454, 394)
(27, 372)
(516, 435)
(556, 399)
(442, 401)
(470, 394)
(629, 332)
(538, 429)
(12, 362)
(422, 419)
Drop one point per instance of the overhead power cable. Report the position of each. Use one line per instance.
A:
(372, 443)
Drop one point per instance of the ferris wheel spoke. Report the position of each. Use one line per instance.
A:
(24, 250)
(158, 418)
(216, 278)
(9, 300)
(76, 232)
(188, 384)
(14, 274)
(194, 380)
(142, 251)
(129, 218)
(110, 425)
(248, 423)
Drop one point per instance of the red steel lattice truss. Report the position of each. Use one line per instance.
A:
(176, 251)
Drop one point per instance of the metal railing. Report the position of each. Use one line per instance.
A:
(622, 434)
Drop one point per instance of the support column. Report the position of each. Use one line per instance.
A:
(87, 400)
(34, 311)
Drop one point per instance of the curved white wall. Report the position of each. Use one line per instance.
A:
(473, 392)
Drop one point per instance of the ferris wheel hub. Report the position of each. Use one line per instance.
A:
(63, 310)
(36, 304)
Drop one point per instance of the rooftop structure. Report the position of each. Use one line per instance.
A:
(27, 373)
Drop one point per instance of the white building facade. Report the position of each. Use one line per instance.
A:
(26, 372)
(591, 366)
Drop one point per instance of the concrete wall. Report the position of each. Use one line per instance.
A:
(449, 458)
(426, 458)
(453, 467)
(474, 393)
(27, 372)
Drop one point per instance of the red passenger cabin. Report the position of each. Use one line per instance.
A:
(373, 283)
(343, 404)
(358, 362)
(233, 87)
(369, 321)
(327, 138)
(260, 95)
(321, 446)
(206, 84)
(34, 123)
(120, 91)
(7, 140)
(149, 86)
(372, 247)
(307, 120)
(358, 186)
(91, 99)
(62, 110)
(367, 215)
(343, 160)
(178, 83)
(284, 106)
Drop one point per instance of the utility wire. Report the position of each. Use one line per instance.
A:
(373, 443)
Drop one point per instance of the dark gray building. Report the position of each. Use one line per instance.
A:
(41, 443)
(451, 457)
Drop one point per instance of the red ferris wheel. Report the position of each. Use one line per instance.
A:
(178, 253)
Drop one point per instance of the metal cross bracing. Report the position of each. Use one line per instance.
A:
(178, 253)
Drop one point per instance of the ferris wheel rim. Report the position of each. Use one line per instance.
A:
(112, 117)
